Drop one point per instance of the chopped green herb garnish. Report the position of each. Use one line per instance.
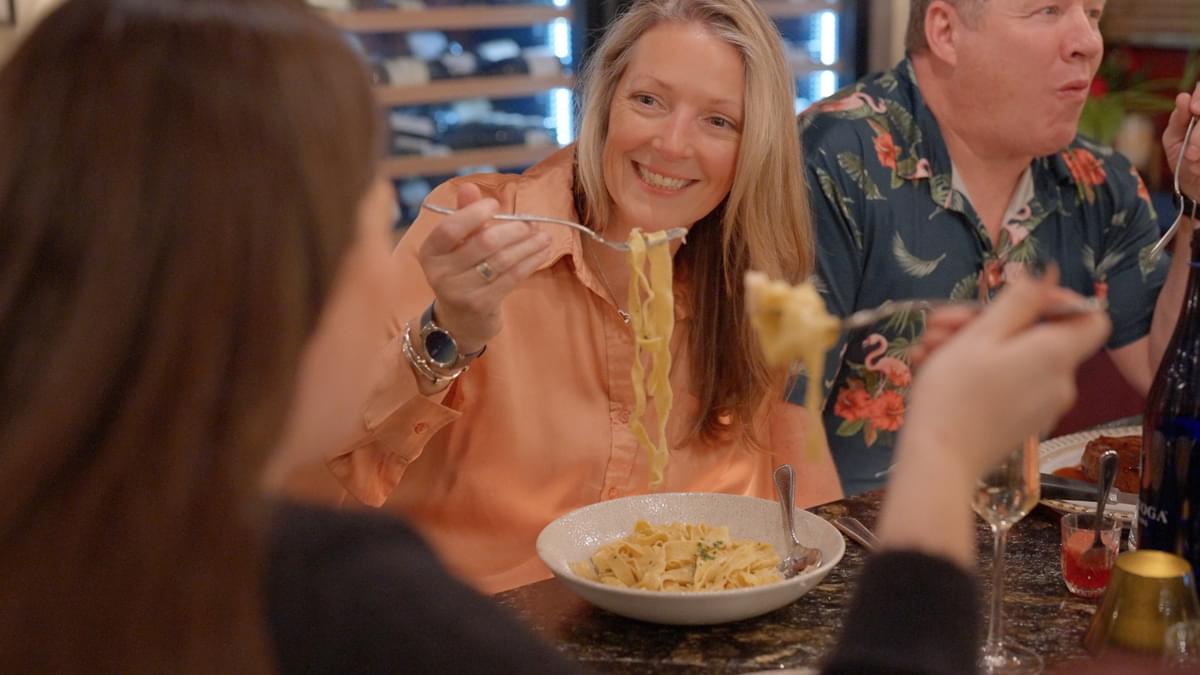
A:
(709, 551)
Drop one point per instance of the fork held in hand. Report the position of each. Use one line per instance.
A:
(1170, 233)
(867, 317)
(672, 233)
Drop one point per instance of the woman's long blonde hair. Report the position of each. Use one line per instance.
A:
(763, 224)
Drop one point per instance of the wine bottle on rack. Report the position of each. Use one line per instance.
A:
(1169, 500)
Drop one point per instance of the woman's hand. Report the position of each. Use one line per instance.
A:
(473, 264)
(990, 384)
(1186, 105)
(1004, 376)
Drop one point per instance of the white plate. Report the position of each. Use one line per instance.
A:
(575, 536)
(1064, 451)
(801, 670)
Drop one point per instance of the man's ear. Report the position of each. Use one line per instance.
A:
(943, 31)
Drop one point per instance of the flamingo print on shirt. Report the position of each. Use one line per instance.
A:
(872, 400)
(895, 370)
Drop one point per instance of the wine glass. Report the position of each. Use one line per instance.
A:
(1004, 496)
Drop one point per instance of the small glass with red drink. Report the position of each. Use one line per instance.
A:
(1087, 575)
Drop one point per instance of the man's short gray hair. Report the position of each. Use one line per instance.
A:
(914, 41)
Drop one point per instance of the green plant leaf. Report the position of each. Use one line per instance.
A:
(848, 428)
(1101, 119)
(852, 164)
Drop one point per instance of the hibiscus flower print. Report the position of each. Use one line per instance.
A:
(868, 415)
(887, 411)
(886, 150)
(853, 402)
(1142, 192)
(991, 277)
(871, 401)
(1087, 171)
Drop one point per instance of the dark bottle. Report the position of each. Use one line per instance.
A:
(1169, 501)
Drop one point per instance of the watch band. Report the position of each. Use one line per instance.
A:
(1190, 207)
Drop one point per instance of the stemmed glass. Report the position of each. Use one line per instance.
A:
(1004, 496)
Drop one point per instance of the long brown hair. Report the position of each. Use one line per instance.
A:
(764, 224)
(178, 185)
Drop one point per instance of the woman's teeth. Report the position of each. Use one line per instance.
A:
(660, 181)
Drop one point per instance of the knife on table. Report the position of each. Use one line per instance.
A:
(1058, 487)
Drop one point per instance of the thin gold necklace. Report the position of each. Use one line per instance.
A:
(604, 281)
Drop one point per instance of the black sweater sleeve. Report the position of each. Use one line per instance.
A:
(353, 592)
(912, 613)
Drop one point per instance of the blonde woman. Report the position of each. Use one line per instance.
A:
(686, 123)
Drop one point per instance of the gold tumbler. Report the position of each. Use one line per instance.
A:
(1148, 592)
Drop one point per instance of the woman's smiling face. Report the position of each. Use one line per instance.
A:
(674, 129)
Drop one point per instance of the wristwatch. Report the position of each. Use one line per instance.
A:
(440, 347)
(437, 342)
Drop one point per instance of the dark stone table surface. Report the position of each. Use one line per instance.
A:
(1039, 612)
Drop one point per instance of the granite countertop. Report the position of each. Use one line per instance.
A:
(1039, 612)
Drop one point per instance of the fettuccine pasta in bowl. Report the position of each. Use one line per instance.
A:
(684, 558)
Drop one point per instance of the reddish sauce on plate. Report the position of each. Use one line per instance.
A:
(1075, 472)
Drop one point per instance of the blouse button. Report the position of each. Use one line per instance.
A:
(623, 416)
(420, 428)
(612, 492)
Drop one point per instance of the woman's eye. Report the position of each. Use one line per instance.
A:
(1049, 11)
(723, 123)
(644, 99)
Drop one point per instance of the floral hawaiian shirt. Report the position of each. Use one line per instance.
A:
(892, 223)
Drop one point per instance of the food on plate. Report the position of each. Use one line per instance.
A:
(652, 318)
(682, 557)
(793, 325)
(1074, 472)
(1129, 453)
(1129, 460)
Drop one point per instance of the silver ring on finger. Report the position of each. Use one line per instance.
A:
(485, 270)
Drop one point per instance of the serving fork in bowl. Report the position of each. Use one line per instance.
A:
(672, 233)
(799, 557)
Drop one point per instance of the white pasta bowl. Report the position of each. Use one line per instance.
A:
(576, 535)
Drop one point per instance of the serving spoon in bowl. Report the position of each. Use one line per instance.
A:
(799, 557)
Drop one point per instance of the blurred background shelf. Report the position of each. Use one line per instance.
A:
(446, 18)
(786, 9)
(1168, 24)
(500, 86)
(501, 157)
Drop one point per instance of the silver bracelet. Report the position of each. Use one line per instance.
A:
(422, 365)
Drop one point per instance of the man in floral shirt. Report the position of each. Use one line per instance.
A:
(959, 169)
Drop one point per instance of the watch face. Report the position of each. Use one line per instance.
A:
(441, 348)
